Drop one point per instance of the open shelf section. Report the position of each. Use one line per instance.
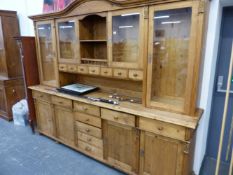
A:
(93, 27)
(83, 41)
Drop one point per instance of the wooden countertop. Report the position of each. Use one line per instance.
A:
(132, 108)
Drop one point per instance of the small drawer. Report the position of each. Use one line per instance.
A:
(41, 96)
(86, 108)
(87, 129)
(83, 69)
(62, 67)
(72, 68)
(88, 119)
(119, 117)
(120, 73)
(93, 151)
(135, 74)
(93, 70)
(106, 72)
(62, 101)
(90, 140)
(162, 128)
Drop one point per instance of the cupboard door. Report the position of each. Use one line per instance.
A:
(3, 66)
(64, 124)
(2, 99)
(172, 38)
(121, 146)
(126, 33)
(47, 53)
(45, 118)
(67, 40)
(160, 156)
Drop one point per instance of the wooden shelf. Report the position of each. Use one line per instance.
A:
(93, 41)
(93, 59)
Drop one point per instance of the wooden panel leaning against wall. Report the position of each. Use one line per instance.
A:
(126, 48)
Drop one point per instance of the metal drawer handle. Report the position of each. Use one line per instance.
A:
(115, 118)
(93, 71)
(60, 102)
(160, 128)
(41, 96)
(87, 120)
(89, 140)
(14, 91)
(88, 149)
(119, 73)
(82, 69)
(105, 72)
(135, 75)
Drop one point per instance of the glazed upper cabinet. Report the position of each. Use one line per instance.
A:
(172, 55)
(126, 38)
(67, 30)
(46, 44)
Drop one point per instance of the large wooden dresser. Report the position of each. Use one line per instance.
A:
(11, 81)
(144, 54)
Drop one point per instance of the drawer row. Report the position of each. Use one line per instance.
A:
(92, 115)
(132, 74)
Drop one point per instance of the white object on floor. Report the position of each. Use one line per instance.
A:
(20, 113)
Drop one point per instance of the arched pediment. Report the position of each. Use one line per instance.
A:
(79, 7)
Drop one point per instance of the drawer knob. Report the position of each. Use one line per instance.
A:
(160, 128)
(87, 130)
(88, 149)
(89, 140)
(87, 120)
(13, 90)
(105, 72)
(93, 71)
(60, 102)
(115, 118)
(135, 75)
(119, 73)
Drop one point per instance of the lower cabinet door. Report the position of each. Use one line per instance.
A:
(121, 146)
(160, 156)
(45, 118)
(64, 124)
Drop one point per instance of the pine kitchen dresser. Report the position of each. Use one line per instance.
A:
(146, 53)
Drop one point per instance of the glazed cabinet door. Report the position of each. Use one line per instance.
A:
(121, 146)
(172, 55)
(45, 118)
(64, 124)
(47, 57)
(160, 156)
(126, 38)
(67, 40)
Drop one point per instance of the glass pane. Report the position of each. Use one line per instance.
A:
(46, 50)
(170, 55)
(125, 32)
(67, 39)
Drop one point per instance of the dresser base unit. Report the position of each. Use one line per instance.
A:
(128, 137)
(11, 92)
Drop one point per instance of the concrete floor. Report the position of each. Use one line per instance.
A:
(22, 153)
